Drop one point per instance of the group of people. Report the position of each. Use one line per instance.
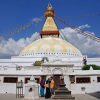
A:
(47, 87)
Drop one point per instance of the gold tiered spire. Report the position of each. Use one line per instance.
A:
(49, 12)
(50, 27)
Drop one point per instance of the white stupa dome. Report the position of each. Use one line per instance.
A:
(50, 46)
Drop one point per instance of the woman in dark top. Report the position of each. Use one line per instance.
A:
(48, 93)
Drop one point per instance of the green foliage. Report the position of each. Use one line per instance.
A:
(38, 63)
(87, 67)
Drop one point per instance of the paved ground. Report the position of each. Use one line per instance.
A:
(85, 97)
(77, 97)
(96, 94)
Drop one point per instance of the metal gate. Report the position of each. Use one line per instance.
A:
(19, 89)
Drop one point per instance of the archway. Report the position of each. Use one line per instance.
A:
(57, 74)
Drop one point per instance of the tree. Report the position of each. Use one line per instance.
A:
(38, 63)
(87, 67)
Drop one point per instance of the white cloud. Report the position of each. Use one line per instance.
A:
(11, 47)
(84, 26)
(85, 45)
(36, 20)
(1, 38)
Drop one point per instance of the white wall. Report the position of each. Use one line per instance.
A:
(89, 88)
(93, 86)
(67, 81)
(95, 61)
(9, 88)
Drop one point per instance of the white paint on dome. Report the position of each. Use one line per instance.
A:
(50, 45)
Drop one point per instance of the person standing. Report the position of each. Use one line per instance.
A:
(42, 87)
(48, 93)
(52, 84)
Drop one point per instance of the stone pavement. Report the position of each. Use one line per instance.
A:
(84, 97)
(96, 94)
(77, 97)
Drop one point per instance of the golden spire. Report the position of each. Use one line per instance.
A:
(49, 27)
(49, 12)
(49, 6)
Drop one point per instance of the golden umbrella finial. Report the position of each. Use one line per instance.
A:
(49, 12)
(49, 5)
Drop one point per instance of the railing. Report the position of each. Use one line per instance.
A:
(19, 90)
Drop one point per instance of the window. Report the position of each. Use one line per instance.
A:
(37, 80)
(10, 79)
(98, 79)
(83, 80)
(27, 79)
(72, 79)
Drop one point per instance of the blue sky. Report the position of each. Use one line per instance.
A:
(14, 13)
